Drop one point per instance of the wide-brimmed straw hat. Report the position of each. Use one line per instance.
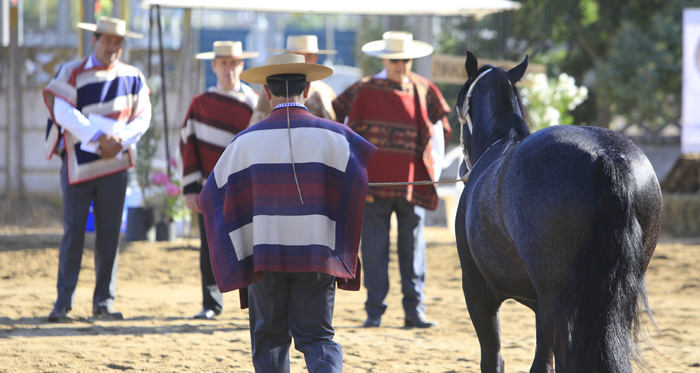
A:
(286, 64)
(109, 26)
(222, 48)
(397, 44)
(303, 44)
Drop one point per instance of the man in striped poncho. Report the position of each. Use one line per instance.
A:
(98, 109)
(212, 121)
(283, 214)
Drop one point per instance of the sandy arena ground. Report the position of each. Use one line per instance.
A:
(158, 292)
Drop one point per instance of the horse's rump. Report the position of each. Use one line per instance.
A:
(598, 194)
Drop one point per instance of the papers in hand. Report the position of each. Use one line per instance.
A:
(107, 126)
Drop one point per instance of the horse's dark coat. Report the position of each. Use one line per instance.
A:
(564, 221)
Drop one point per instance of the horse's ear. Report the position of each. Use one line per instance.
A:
(471, 65)
(516, 73)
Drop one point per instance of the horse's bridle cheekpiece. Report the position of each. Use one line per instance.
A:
(464, 118)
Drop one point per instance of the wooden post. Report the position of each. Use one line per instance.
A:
(15, 182)
(117, 9)
(423, 31)
(87, 14)
(185, 67)
(63, 19)
(4, 23)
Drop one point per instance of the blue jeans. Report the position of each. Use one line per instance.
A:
(411, 254)
(300, 305)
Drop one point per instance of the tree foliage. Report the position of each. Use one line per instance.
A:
(627, 52)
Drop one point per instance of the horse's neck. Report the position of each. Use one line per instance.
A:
(508, 136)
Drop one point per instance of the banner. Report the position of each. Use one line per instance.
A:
(450, 69)
(690, 113)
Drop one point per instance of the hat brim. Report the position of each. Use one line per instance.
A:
(297, 51)
(313, 72)
(212, 55)
(93, 27)
(378, 49)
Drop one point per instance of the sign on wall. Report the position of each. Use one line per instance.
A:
(690, 114)
(450, 69)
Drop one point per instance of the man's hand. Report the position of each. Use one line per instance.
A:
(110, 146)
(191, 199)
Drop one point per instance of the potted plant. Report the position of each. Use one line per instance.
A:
(158, 191)
(164, 195)
(140, 219)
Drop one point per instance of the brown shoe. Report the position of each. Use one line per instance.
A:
(418, 321)
(59, 314)
(372, 322)
(107, 313)
(206, 314)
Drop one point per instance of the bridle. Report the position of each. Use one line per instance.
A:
(465, 118)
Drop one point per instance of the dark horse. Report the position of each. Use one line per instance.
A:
(564, 221)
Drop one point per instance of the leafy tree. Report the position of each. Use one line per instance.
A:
(641, 76)
(627, 52)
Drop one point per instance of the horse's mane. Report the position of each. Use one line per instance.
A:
(508, 126)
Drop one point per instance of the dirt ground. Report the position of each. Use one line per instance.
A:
(158, 292)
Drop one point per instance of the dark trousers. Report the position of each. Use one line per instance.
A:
(299, 305)
(410, 249)
(107, 195)
(211, 296)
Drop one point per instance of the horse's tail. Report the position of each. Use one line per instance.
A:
(599, 327)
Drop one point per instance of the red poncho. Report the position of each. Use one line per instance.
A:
(398, 119)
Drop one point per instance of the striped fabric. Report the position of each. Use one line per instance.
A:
(398, 119)
(212, 121)
(118, 91)
(254, 218)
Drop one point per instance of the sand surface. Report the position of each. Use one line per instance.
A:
(158, 291)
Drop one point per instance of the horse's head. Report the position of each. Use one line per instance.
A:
(489, 107)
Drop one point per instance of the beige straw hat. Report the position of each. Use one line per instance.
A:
(286, 64)
(233, 49)
(397, 44)
(303, 44)
(109, 26)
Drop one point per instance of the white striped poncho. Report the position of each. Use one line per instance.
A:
(118, 91)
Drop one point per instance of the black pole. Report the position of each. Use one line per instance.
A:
(503, 26)
(162, 92)
(150, 42)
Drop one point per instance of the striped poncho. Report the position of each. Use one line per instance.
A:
(118, 91)
(212, 121)
(252, 211)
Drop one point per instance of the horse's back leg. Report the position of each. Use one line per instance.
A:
(544, 356)
(484, 315)
(482, 304)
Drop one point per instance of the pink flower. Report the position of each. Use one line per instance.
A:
(172, 162)
(172, 190)
(160, 178)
